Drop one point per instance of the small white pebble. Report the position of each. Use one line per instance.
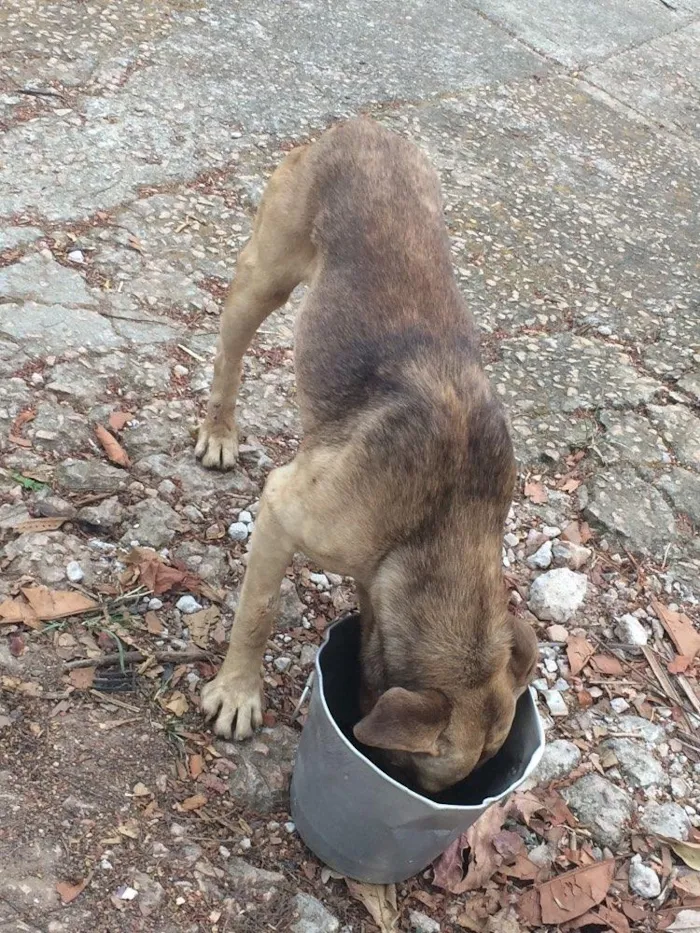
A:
(74, 572)
(224, 852)
(556, 703)
(238, 531)
(245, 843)
(551, 531)
(155, 603)
(619, 705)
(290, 827)
(282, 664)
(187, 604)
(245, 517)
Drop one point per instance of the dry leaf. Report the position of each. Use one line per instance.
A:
(688, 851)
(26, 688)
(140, 790)
(153, 623)
(201, 623)
(686, 921)
(22, 418)
(119, 419)
(196, 765)
(82, 678)
(68, 892)
(570, 895)
(484, 860)
(134, 243)
(114, 450)
(380, 901)
(35, 525)
(689, 884)
(130, 829)
(579, 651)
(177, 704)
(56, 604)
(680, 629)
(679, 665)
(536, 492)
(571, 485)
(193, 803)
(13, 610)
(607, 664)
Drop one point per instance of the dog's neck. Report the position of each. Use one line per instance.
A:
(414, 590)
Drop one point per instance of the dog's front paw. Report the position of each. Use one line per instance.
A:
(217, 446)
(232, 697)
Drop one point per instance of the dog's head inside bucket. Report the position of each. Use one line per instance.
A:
(340, 666)
(369, 824)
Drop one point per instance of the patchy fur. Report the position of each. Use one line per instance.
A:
(406, 470)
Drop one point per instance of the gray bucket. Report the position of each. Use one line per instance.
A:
(358, 820)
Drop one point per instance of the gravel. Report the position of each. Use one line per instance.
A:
(556, 595)
(643, 880)
(314, 917)
(238, 531)
(631, 631)
(188, 604)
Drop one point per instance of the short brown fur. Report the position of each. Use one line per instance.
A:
(405, 474)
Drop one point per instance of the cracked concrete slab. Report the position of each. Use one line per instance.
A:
(46, 328)
(577, 34)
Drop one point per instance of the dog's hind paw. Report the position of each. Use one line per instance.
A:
(234, 699)
(217, 448)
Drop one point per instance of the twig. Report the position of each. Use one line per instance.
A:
(33, 92)
(112, 702)
(304, 692)
(128, 656)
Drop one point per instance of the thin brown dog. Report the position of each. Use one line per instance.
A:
(406, 471)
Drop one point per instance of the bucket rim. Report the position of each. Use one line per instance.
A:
(392, 782)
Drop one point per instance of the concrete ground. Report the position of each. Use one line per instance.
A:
(136, 140)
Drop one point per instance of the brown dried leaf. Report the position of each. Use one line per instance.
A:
(153, 623)
(689, 852)
(607, 664)
(200, 624)
(36, 525)
(380, 901)
(579, 651)
(679, 665)
(119, 419)
(680, 629)
(484, 860)
(57, 604)
(82, 678)
(196, 764)
(114, 450)
(689, 884)
(159, 578)
(15, 436)
(177, 704)
(68, 892)
(570, 895)
(195, 802)
(26, 688)
(536, 492)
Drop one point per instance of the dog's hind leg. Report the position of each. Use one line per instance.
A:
(278, 256)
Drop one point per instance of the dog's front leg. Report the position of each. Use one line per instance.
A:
(236, 692)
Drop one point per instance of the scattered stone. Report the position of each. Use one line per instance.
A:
(291, 608)
(246, 880)
(154, 603)
(641, 728)
(90, 476)
(558, 634)
(643, 880)
(188, 604)
(556, 703)
(55, 507)
(542, 557)
(559, 759)
(679, 788)
(601, 807)
(282, 664)
(245, 517)
(263, 768)
(74, 572)
(152, 523)
(619, 705)
(570, 555)
(108, 515)
(313, 916)
(557, 594)
(308, 655)
(151, 892)
(238, 531)
(636, 762)
(631, 631)
(422, 923)
(666, 819)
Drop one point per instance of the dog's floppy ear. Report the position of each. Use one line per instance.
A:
(405, 720)
(524, 653)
